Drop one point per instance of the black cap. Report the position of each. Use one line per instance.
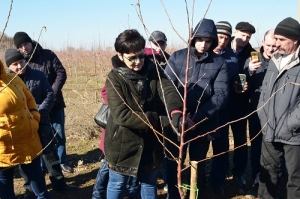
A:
(245, 26)
(12, 55)
(289, 28)
(157, 36)
(20, 38)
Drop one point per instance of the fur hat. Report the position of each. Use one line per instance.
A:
(224, 27)
(157, 36)
(245, 26)
(12, 55)
(20, 38)
(289, 28)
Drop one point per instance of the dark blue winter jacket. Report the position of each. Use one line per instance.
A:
(46, 61)
(208, 81)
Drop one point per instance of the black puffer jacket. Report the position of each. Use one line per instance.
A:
(46, 61)
(129, 142)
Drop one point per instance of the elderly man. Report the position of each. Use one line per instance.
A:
(280, 112)
(239, 102)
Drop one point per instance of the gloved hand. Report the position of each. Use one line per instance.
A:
(164, 122)
(177, 123)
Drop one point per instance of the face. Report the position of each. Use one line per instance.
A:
(242, 38)
(17, 67)
(203, 44)
(134, 61)
(223, 41)
(159, 47)
(285, 45)
(26, 48)
(269, 45)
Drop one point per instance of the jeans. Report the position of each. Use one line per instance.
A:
(117, 184)
(101, 182)
(57, 118)
(272, 156)
(55, 173)
(35, 176)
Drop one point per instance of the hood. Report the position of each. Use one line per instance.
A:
(207, 29)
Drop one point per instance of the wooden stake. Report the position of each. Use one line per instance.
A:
(193, 182)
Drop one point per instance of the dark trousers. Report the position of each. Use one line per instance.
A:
(254, 129)
(220, 163)
(272, 156)
(49, 158)
(35, 177)
(239, 130)
(55, 174)
(197, 151)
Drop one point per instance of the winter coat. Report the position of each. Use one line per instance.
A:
(46, 61)
(233, 75)
(19, 121)
(207, 83)
(129, 141)
(241, 100)
(280, 96)
(255, 79)
(42, 92)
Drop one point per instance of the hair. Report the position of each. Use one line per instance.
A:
(268, 32)
(129, 41)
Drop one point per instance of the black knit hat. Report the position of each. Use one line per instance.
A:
(20, 38)
(12, 55)
(289, 28)
(245, 26)
(157, 36)
(224, 27)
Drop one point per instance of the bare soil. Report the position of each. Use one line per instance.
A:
(84, 155)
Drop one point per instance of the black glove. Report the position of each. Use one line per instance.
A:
(164, 122)
(177, 123)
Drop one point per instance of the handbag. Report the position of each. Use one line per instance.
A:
(102, 116)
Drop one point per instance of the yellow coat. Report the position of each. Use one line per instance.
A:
(19, 122)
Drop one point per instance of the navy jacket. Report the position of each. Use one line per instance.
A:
(208, 80)
(46, 61)
(280, 99)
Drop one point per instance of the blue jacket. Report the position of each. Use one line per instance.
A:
(39, 87)
(208, 81)
(46, 61)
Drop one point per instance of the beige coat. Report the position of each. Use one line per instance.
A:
(19, 121)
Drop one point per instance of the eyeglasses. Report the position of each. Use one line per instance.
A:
(135, 58)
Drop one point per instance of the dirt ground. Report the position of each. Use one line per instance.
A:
(84, 155)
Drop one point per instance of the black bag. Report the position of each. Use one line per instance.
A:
(102, 116)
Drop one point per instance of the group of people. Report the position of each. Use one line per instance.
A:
(32, 119)
(147, 91)
(145, 96)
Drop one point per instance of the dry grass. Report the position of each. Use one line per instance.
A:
(86, 76)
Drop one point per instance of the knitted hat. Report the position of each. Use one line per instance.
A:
(289, 28)
(157, 36)
(11, 56)
(20, 38)
(224, 27)
(245, 26)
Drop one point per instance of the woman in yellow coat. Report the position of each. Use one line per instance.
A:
(19, 139)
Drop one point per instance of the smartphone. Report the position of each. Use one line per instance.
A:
(254, 55)
(242, 81)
